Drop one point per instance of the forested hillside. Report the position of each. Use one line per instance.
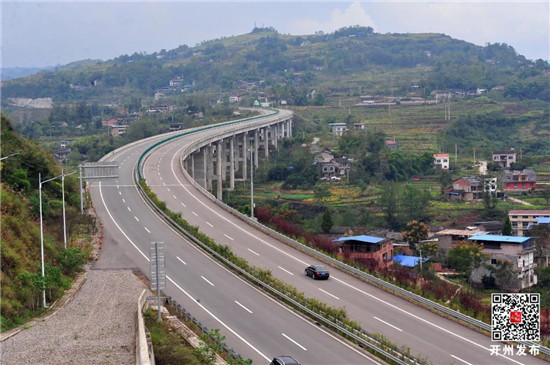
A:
(290, 65)
(20, 261)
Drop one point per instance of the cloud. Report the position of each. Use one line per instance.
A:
(354, 14)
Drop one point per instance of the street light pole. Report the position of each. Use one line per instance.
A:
(63, 197)
(42, 241)
(40, 182)
(251, 184)
(81, 195)
(10, 155)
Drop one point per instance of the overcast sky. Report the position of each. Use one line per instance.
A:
(47, 33)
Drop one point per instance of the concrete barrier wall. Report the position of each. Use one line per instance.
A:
(142, 350)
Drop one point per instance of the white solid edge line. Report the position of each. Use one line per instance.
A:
(179, 287)
(296, 343)
(219, 320)
(297, 259)
(389, 324)
(326, 292)
(458, 358)
(270, 298)
(116, 224)
(424, 320)
(242, 306)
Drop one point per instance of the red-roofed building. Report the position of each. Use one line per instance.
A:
(392, 145)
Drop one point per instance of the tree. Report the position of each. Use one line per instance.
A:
(388, 201)
(465, 257)
(326, 223)
(545, 193)
(321, 192)
(416, 232)
(445, 179)
(414, 202)
(507, 227)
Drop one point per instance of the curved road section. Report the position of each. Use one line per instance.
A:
(254, 324)
(440, 340)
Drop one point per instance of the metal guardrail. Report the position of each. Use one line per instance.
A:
(438, 308)
(190, 318)
(358, 337)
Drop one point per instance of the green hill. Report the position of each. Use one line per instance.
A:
(289, 66)
(20, 260)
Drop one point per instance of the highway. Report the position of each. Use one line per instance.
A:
(255, 325)
(440, 340)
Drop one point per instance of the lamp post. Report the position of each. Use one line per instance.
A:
(10, 155)
(40, 182)
(63, 198)
(251, 184)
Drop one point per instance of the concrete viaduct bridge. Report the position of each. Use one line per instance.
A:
(222, 156)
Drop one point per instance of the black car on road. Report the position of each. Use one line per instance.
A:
(317, 272)
(284, 360)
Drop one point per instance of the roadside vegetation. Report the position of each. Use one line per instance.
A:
(21, 279)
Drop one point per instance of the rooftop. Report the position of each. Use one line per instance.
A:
(409, 261)
(498, 238)
(362, 238)
(457, 232)
(529, 212)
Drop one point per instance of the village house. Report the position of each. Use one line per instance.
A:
(367, 247)
(338, 129)
(448, 238)
(331, 168)
(521, 219)
(441, 161)
(118, 130)
(360, 126)
(471, 188)
(176, 82)
(392, 145)
(519, 180)
(234, 99)
(504, 158)
(519, 251)
(157, 108)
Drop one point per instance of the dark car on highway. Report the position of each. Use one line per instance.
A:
(317, 272)
(284, 360)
